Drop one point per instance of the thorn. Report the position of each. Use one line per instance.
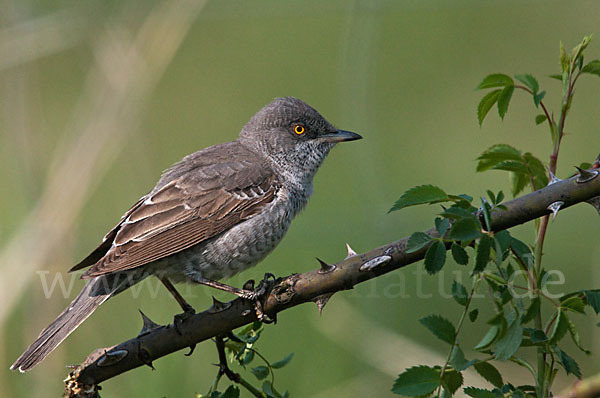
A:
(218, 306)
(553, 179)
(595, 201)
(148, 325)
(144, 356)
(586, 175)
(374, 263)
(325, 268)
(555, 207)
(192, 348)
(322, 300)
(596, 164)
(111, 357)
(351, 252)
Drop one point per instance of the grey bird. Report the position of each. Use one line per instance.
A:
(215, 213)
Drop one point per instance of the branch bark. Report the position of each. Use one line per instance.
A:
(315, 286)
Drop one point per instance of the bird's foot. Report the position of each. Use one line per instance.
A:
(257, 294)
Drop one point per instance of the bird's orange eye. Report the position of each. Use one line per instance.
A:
(299, 129)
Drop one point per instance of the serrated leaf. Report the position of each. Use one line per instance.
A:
(435, 257)
(593, 300)
(483, 253)
(518, 182)
(441, 225)
(416, 381)
(533, 310)
(522, 252)
(496, 80)
(508, 344)
(283, 362)
(516, 166)
(486, 104)
(592, 67)
(473, 315)
(420, 195)
(489, 338)
(574, 304)
(496, 154)
(536, 170)
(456, 213)
(459, 293)
(231, 392)
(575, 336)
(459, 254)
(458, 361)
(559, 328)
(529, 82)
(465, 229)
(452, 380)
(260, 372)
(417, 240)
(479, 392)
(539, 119)
(537, 98)
(490, 373)
(504, 99)
(568, 363)
(440, 327)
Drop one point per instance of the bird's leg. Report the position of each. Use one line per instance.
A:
(188, 310)
(248, 292)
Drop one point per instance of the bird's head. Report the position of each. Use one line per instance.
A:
(293, 134)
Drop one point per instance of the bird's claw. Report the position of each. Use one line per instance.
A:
(255, 295)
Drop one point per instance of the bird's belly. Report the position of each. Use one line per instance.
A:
(241, 247)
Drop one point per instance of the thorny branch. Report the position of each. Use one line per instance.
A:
(315, 286)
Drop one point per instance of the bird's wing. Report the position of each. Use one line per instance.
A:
(190, 209)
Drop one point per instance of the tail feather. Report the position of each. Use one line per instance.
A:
(94, 293)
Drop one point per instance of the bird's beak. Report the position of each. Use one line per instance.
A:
(339, 136)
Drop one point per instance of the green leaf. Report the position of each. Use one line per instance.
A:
(568, 363)
(231, 392)
(483, 253)
(465, 229)
(489, 338)
(522, 251)
(508, 344)
(455, 213)
(416, 381)
(559, 328)
(283, 362)
(529, 81)
(479, 392)
(260, 372)
(564, 60)
(536, 170)
(537, 99)
(440, 327)
(592, 67)
(452, 380)
(516, 166)
(575, 336)
(496, 80)
(574, 303)
(459, 293)
(539, 119)
(458, 361)
(435, 257)
(417, 240)
(473, 315)
(519, 182)
(486, 104)
(556, 77)
(420, 195)
(593, 300)
(504, 100)
(496, 154)
(441, 225)
(459, 254)
(533, 310)
(490, 373)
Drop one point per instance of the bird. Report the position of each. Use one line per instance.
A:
(213, 214)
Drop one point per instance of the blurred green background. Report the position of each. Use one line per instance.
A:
(98, 97)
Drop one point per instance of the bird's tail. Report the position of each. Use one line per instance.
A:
(94, 293)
